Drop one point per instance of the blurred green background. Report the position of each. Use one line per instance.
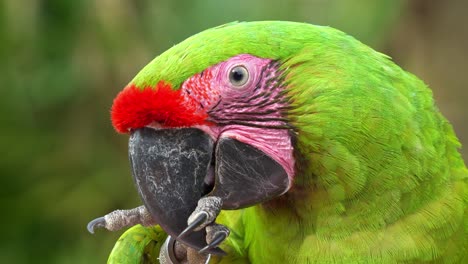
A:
(62, 62)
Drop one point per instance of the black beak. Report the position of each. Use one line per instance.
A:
(171, 169)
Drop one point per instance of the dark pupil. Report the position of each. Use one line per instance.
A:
(237, 75)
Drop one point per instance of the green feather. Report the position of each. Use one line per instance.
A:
(384, 178)
(137, 245)
(268, 39)
(379, 178)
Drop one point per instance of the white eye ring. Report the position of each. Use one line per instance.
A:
(238, 76)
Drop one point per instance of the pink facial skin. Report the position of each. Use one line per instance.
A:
(250, 113)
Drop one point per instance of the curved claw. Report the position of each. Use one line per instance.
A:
(98, 222)
(219, 237)
(194, 225)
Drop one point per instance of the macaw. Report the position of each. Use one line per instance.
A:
(285, 142)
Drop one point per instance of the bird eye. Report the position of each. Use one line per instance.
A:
(238, 76)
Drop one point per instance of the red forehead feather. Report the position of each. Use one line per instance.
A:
(135, 108)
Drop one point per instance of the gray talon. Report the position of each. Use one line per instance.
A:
(214, 230)
(195, 223)
(217, 240)
(99, 222)
(215, 235)
(211, 206)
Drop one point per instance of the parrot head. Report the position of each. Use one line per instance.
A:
(207, 118)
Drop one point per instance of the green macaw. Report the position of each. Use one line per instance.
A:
(283, 142)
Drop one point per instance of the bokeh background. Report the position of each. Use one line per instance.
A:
(62, 62)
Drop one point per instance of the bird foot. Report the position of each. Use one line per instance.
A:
(119, 219)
